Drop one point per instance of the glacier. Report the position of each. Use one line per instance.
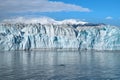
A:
(48, 34)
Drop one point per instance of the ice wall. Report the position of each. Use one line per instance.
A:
(30, 36)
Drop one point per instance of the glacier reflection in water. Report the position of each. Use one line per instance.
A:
(60, 65)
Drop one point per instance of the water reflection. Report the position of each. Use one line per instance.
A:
(59, 65)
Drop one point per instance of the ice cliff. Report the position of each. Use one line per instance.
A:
(50, 34)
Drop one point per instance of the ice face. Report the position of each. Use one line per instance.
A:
(99, 38)
(30, 36)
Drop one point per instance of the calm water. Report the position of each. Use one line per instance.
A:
(37, 65)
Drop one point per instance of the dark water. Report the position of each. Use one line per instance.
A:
(37, 65)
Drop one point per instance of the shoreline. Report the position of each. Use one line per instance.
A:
(61, 50)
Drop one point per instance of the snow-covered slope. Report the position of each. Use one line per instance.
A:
(42, 20)
(22, 34)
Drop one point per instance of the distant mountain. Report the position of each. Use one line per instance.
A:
(43, 20)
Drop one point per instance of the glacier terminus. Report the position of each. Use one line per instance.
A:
(46, 33)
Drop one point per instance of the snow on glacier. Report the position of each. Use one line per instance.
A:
(29, 35)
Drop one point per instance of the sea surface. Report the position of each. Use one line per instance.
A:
(60, 65)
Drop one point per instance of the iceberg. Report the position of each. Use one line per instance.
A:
(47, 33)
